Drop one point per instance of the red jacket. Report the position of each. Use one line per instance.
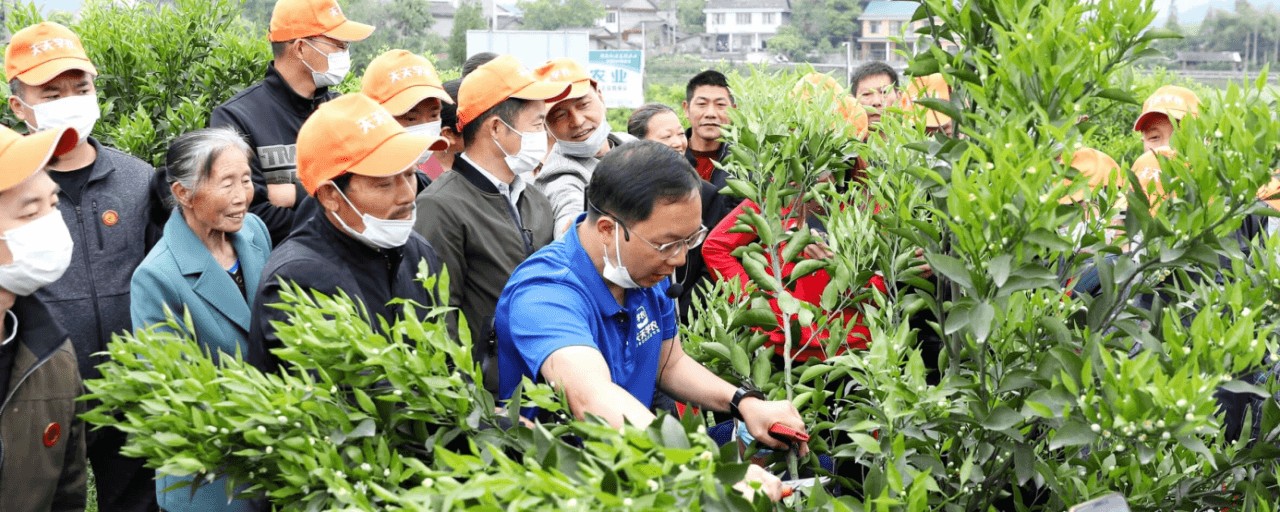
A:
(717, 251)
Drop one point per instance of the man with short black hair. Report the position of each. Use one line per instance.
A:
(875, 85)
(104, 197)
(359, 165)
(590, 314)
(310, 42)
(483, 217)
(707, 101)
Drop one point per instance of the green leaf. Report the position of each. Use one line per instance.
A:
(999, 267)
(950, 268)
(1120, 95)
(980, 320)
(1001, 418)
(1072, 434)
(1244, 388)
(1153, 34)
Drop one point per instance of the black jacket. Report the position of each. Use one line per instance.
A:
(109, 228)
(714, 207)
(269, 115)
(42, 450)
(320, 257)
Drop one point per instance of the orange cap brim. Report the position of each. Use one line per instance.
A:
(350, 31)
(410, 97)
(31, 153)
(544, 91)
(47, 71)
(577, 90)
(397, 154)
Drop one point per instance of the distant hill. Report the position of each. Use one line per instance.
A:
(1193, 12)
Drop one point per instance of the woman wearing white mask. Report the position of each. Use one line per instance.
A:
(582, 136)
(207, 264)
(408, 86)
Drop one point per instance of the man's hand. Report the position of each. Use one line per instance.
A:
(769, 484)
(759, 415)
(283, 195)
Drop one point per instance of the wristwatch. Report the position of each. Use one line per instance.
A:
(742, 392)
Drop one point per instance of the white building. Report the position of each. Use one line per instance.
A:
(745, 25)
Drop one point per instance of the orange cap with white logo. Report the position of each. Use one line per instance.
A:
(400, 79)
(501, 79)
(41, 52)
(567, 70)
(353, 134)
(296, 19)
(21, 156)
(1171, 101)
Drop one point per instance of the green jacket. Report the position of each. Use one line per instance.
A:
(42, 458)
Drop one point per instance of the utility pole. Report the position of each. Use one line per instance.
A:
(848, 63)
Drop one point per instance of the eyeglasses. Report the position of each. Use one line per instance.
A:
(667, 250)
(342, 46)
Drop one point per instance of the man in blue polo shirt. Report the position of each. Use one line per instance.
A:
(591, 315)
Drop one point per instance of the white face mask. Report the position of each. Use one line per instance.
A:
(41, 252)
(618, 274)
(589, 147)
(79, 112)
(378, 233)
(533, 148)
(431, 129)
(339, 66)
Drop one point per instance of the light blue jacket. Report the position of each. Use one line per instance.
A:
(180, 273)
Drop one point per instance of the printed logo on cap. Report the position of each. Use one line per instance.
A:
(373, 121)
(49, 45)
(404, 73)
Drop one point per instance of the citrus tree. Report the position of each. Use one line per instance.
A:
(1034, 397)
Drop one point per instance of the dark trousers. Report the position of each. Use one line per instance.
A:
(123, 483)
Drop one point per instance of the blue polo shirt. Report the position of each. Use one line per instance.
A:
(556, 298)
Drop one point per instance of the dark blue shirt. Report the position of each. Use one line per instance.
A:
(557, 298)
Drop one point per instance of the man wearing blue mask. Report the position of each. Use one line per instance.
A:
(104, 200)
(582, 135)
(359, 165)
(483, 217)
(310, 42)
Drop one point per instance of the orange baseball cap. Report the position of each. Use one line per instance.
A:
(296, 19)
(21, 156)
(1147, 169)
(856, 115)
(1098, 167)
(499, 80)
(815, 82)
(567, 70)
(930, 86)
(1270, 193)
(353, 134)
(1171, 101)
(399, 80)
(41, 52)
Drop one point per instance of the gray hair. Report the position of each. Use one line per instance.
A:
(190, 157)
(638, 124)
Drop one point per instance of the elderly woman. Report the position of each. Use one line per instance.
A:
(207, 262)
(658, 122)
